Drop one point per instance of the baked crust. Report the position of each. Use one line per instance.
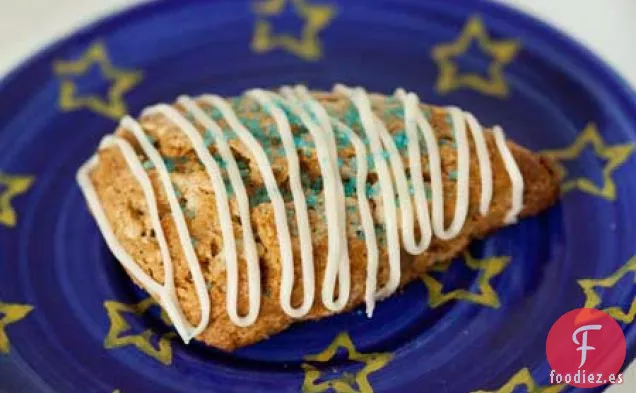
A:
(125, 207)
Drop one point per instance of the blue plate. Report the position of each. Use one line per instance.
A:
(71, 321)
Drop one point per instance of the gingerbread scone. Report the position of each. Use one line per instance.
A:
(241, 216)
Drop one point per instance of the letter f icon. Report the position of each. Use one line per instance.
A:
(584, 347)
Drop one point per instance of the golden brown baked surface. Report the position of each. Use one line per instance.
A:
(125, 207)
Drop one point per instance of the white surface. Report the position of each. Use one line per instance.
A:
(608, 27)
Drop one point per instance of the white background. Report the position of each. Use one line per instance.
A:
(608, 27)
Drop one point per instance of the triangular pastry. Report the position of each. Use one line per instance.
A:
(243, 215)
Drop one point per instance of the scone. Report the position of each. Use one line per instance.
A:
(241, 216)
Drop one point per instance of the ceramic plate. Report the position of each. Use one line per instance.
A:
(71, 320)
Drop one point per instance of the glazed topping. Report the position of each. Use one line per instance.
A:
(403, 193)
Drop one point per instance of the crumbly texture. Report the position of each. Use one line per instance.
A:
(127, 211)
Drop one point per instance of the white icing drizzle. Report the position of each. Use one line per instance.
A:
(223, 211)
(301, 212)
(323, 129)
(516, 178)
(371, 126)
(166, 292)
(337, 259)
(484, 163)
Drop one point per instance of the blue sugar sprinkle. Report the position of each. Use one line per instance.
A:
(229, 135)
(397, 112)
(228, 187)
(170, 164)
(195, 241)
(253, 125)
(384, 154)
(351, 116)
(295, 120)
(313, 117)
(452, 175)
(371, 190)
(260, 196)
(148, 165)
(350, 187)
(216, 113)
(272, 129)
(370, 162)
(302, 143)
(342, 139)
(208, 137)
(312, 200)
(220, 161)
(317, 185)
(401, 140)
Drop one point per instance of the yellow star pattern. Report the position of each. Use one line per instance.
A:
(524, 378)
(9, 314)
(487, 296)
(308, 46)
(501, 52)
(121, 81)
(345, 383)
(13, 186)
(593, 300)
(118, 335)
(615, 156)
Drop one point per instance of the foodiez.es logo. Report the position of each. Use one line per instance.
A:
(585, 348)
